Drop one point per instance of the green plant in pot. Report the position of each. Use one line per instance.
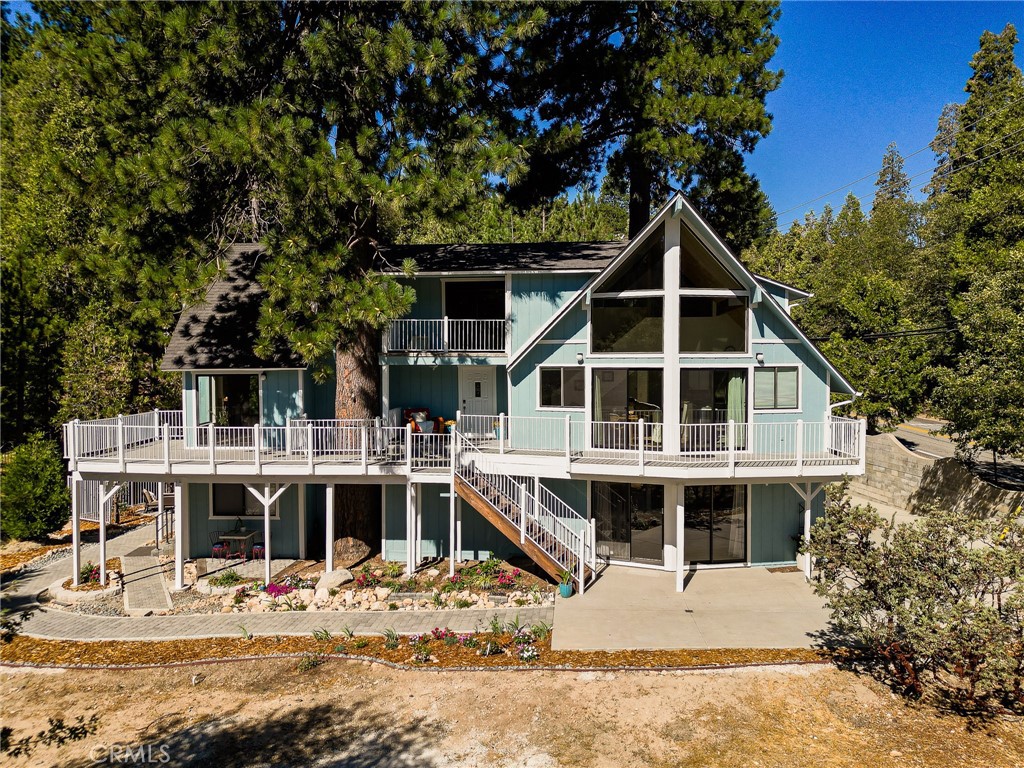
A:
(565, 583)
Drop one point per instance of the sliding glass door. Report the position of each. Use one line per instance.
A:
(709, 398)
(629, 521)
(715, 524)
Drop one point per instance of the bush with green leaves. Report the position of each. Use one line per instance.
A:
(934, 606)
(34, 494)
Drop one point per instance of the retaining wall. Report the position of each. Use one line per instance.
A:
(898, 477)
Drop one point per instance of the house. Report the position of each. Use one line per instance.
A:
(650, 404)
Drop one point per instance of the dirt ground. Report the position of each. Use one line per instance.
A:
(347, 713)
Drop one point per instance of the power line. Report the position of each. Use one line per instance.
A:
(906, 157)
(892, 334)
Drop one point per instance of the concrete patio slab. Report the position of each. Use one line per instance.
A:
(630, 608)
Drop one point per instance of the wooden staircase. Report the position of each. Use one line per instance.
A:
(556, 542)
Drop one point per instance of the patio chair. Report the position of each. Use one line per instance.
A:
(259, 549)
(218, 548)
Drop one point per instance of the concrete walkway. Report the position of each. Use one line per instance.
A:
(631, 608)
(144, 589)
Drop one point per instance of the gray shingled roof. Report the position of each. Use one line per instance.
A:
(220, 331)
(504, 257)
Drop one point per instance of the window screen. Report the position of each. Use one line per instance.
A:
(775, 388)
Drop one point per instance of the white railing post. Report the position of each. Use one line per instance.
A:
(731, 442)
(408, 449)
(501, 433)
(309, 448)
(592, 538)
(363, 455)
(256, 443)
(156, 425)
(444, 334)
(73, 445)
(799, 447)
(120, 442)
(640, 443)
(522, 514)
(568, 438)
(211, 436)
(166, 428)
(862, 443)
(288, 435)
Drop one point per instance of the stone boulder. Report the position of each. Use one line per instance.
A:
(334, 579)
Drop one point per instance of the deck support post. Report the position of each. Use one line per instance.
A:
(179, 535)
(807, 494)
(453, 501)
(410, 527)
(107, 493)
(76, 531)
(302, 520)
(266, 531)
(329, 530)
(159, 512)
(681, 570)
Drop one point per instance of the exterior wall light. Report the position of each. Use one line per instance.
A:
(760, 358)
(579, 358)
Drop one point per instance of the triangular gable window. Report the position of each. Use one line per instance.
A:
(698, 268)
(643, 271)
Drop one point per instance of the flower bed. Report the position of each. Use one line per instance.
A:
(89, 578)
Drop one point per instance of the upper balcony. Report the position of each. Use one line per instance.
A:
(157, 443)
(446, 336)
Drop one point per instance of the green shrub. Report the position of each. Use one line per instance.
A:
(33, 490)
(227, 578)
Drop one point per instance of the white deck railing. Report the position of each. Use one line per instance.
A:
(446, 335)
(158, 437)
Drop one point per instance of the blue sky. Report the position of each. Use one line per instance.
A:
(858, 76)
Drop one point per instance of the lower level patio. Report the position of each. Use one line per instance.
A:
(632, 608)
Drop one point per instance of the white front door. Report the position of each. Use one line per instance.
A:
(477, 392)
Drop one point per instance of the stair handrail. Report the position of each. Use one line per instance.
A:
(514, 492)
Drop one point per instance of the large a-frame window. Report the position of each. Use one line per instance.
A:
(627, 314)
(713, 316)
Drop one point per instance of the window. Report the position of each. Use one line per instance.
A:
(714, 524)
(775, 389)
(627, 394)
(232, 500)
(697, 267)
(561, 387)
(627, 325)
(712, 324)
(644, 270)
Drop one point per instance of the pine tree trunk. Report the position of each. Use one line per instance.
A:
(357, 396)
(640, 191)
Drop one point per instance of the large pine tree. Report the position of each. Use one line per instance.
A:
(670, 94)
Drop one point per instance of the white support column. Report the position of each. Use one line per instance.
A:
(103, 533)
(671, 550)
(410, 527)
(453, 503)
(671, 375)
(159, 512)
(301, 490)
(180, 494)
(418, 531)
(266, 533)
(383, 522)
(76, 530)
(681, 569)
(458, 531)
(329, 530)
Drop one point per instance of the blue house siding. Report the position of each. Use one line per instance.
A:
(536, 297)
(776, 522)
(284, 533)
(281, 397)
(426, 387)
(318, 397)
(394, 523)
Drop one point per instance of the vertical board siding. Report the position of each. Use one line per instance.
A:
(280, 398)
(428, 298)
(538, 296)
(394, 523)
(318, 397)
(435, 529)
(421, 386)
(776, 517)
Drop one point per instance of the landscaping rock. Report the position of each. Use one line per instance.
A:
(334, 579)
(381, 593)
(433, 573)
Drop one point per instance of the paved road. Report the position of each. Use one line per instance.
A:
(918, 435)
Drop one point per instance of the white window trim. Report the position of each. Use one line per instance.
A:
(561, 408)
(799, 388)
(275, 508)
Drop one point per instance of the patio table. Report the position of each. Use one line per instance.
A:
(243, 540)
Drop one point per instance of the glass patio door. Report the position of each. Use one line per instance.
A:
(629, 521)
(715, 524)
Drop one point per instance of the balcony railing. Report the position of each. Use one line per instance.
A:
(160, 438)
(446, 336)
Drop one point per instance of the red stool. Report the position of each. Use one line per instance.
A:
(220, 550)
(259, 552)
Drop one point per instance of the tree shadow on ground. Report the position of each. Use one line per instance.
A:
(333, 735)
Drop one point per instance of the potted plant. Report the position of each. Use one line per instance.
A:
(565, 584)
